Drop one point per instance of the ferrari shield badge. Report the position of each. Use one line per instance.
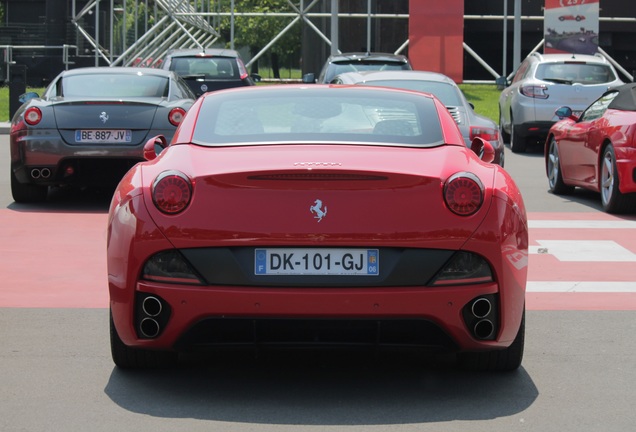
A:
(317, 210)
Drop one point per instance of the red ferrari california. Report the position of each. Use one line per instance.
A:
(317, 216)
(597, 150)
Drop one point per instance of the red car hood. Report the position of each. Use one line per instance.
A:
(274, 195)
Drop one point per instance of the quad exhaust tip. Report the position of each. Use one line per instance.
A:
(37, 173)
(481, 318)
(151, 306)
(149, 327)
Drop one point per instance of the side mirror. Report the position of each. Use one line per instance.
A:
(154, 146)
(502, 82)
(483, 149)
(309, 78)
(28, 96)
(564, 112)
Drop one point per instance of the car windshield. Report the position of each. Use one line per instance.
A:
(447, 93)
(209, 67)
(308, 116)
(572, 72)
(361, 66)
(110, 85)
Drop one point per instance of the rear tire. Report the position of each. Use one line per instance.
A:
(518, 143)
(506, 360)
(25, 192)
(555, 178)
(126, 357)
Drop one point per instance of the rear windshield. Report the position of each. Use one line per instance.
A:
(293, 117)
(208, 67)
(573, 72)
(112, 86)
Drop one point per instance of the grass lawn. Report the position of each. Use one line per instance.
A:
(484, 96)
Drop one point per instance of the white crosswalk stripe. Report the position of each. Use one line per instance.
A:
(580, 286)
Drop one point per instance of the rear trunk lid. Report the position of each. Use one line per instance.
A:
(105, 121)
(321, 195)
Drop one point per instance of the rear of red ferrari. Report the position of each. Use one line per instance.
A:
(318, 245)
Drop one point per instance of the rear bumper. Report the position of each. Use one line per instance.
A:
(537, 129)
(213, 317)
(46, 151)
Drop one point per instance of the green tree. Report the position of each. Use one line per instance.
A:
(255, 32)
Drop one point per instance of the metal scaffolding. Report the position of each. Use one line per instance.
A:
(139, 32)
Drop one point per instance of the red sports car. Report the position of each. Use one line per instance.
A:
(317, 216)
(597, 150)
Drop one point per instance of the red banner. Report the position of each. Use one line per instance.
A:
(436, 36)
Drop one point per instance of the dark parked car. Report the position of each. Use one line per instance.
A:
(358, 62)
(90, 126)
(445, 89)
(209, 69)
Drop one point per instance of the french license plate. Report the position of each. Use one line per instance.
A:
(103, 136)
(317, 261)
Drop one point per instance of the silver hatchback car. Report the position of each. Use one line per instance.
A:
(545, 82)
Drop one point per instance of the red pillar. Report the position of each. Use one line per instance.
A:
(436, 36)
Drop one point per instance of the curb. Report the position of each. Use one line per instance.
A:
(5, 127)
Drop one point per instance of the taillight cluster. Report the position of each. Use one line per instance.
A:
(464, 193)
(176, 116)
(171, 192)
(535, 91)
(242, 69)
(486, 133)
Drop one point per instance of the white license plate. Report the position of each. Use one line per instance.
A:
(103, 136)
(317, 261)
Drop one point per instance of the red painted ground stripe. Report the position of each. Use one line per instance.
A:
(53, 260)
(581, 301)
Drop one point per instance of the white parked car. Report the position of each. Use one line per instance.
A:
(542, 84)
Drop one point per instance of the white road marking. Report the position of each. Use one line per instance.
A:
(580, 286)
(584, 250)
(578, 224)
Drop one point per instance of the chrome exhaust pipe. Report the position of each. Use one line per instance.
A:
(149, 327)
(45, 173)
(35, 173)
(481, 308)
(484, 329)
(151, 306)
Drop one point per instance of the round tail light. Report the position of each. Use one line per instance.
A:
(33, 116)
(464, 193)
(171, 192)
(176, 115)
